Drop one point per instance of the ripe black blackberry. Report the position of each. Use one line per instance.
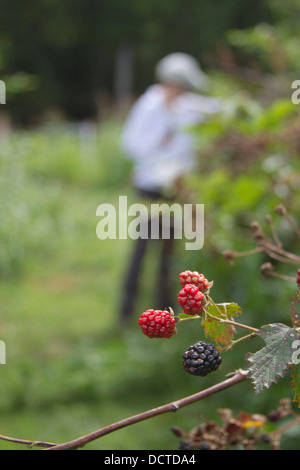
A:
(201, 359)
(186, 445)
(204, 446)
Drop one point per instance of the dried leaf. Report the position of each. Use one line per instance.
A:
(221, 333)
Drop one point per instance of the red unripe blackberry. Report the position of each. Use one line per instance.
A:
(193, 277)
(201, 359)
(298, 278)
(190, 299)
(157, 323)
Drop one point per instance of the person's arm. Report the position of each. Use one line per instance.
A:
(193, 108)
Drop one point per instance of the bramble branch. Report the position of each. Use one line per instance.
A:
(272, 247)
(234, 379)
(26, 442)
(238, 377)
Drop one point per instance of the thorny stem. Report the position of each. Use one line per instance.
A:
(235, 378)
(238, 377)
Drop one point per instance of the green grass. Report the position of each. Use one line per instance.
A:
(71, 368)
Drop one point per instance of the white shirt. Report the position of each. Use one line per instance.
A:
(155, 136)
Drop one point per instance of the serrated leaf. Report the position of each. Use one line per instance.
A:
(230, 309)
(221, 333)
(295, 383)
(270, 363)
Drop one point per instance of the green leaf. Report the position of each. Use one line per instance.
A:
(270, 363)
(295, 382)
(185, 316)
(219, 332)
(229, 309)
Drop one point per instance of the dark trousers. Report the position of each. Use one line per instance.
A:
(163, 288)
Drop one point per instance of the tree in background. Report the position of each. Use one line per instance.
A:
(75, 48)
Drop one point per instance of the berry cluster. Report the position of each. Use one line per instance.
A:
(191, 297)
(157, 323)
(201, 359)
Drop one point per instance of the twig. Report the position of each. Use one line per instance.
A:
(283, 252)
(238, 377)
(283, 276)
(281, 209)
(274, 232)
(229, 322)
(26, 442)
(280, 258)
(229, 346)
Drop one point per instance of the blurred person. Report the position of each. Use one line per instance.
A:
(157, 139)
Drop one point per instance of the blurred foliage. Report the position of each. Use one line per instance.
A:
(70, 367)
(248, 164)
(29, 210)
(33, 168)
(73, 50)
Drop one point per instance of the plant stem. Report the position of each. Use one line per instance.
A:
(283, 276)
(278, 257)
(237, 254)
(229, 346)
(282, 252)
(294, 227)
(229, 322)
(238, 377)
(192, 317)
(26, 442)
(274, 233)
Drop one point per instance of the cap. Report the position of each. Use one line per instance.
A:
(181, 69)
